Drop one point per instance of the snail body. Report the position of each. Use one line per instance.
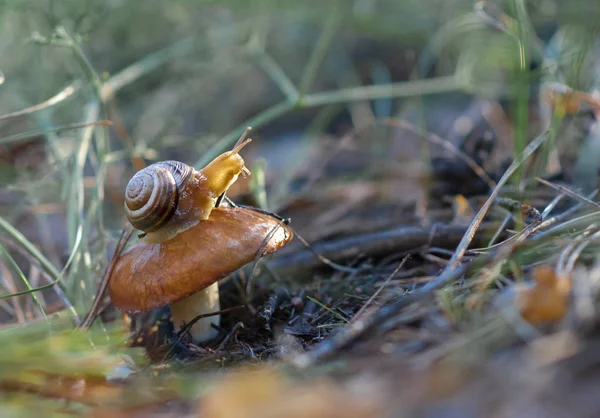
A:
(169, 197)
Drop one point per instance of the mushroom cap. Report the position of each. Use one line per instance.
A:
(149, 276)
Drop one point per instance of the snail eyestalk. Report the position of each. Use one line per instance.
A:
(240, 145)
(243, 137)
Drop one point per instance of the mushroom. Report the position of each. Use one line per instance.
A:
(184, 271)
(189, 244)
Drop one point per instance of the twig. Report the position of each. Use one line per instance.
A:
(228, 337)
(516, 238)
(93, 313)
(268, 309)
(286, 221)
(259, 254)
(525, 210)
(326, 310)
(324, 259)
(397, 241)
(190, 324)
(435, 139)
(82, 59)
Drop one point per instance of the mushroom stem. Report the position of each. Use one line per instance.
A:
(202, 302)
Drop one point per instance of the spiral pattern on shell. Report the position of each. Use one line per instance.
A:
(152, 194)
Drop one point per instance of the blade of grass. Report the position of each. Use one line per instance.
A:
(77, 220)
(437, 85)
(440, 40)
(521, 80)
(567, 215)
(59, 97)
(470, 234)
(258, 183)
(29, 247)
(568, 192)
(337, 314)
(145, 66)
(320, 50)
(50, 269)
(16, 268)
(40, 132)
(28, 291)
(276, 73)
(82, 59)
(102, 144)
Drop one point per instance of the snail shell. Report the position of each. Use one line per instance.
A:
(152, 194)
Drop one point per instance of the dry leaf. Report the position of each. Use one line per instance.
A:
(547, 299)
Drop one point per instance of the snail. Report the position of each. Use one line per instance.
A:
(190, 241)
(169, 197)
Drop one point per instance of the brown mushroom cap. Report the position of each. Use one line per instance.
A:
(149, 276)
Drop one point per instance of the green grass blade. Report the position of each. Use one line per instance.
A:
(336, 314)
(30, 289)
(44, 262)
(30, 248)
(42, 132)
